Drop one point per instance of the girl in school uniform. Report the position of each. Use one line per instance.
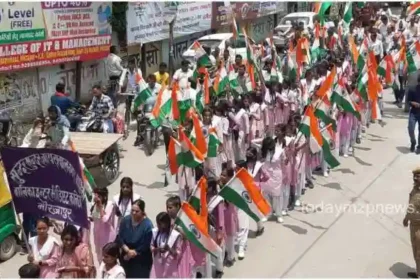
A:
(186, 258)
(255, 116)
(227, 152)
(122, 201)
(103, 216)
(166, 248)
(272, 152)
(231, 218)
(109, 267)
(45, 249)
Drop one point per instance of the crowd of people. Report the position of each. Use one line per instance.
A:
(258, 120)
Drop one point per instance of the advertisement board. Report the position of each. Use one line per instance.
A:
(148, 22)
(37, 34)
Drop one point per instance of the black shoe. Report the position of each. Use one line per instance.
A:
(303, 192)
(395, 102)
(412, 275)
(412, 147)
(310, 185)
(358, 140)
(219, 274)
(137, 142)
(199, 275)
(260, 231)
(418, 151)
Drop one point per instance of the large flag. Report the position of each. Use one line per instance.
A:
(201, 56)
(183, 152)
(88, 180)
(5, 196)
(326, 86)
(348, 13)
(413, 58)
(242, 192)
(163, 107)
(355, 55)
(386, 69)
(374, 88)
(198, 198)
(221, 81)
(197, 136)
(195, 229)
(327, 146)
(310, 129)
(322, 111)
(321, 8)
(143, 94)
(413, 9)
(343, 100)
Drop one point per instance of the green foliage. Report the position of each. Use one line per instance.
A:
(118, 19)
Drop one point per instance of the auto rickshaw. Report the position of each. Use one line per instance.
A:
(9, 229)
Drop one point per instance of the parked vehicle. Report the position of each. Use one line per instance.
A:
(307, 18)
(9, 230)
(219, 40)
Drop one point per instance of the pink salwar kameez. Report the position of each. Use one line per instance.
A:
(255, 115)
(165, 265)
(103, 228)
(48, 254)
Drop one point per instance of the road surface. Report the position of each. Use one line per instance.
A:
(351, 225)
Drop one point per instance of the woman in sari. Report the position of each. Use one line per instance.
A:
(75, 258)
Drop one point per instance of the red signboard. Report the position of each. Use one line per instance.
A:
(44, 53)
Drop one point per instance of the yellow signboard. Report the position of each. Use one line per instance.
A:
(5, 196)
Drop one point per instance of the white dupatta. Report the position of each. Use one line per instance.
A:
(172, 238)
(45, 252)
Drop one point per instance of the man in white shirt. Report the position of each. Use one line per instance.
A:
(413, 27)
(376, 45)
(113, 62)
(183, 75)
(115, 70)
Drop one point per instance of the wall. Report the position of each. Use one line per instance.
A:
(260, 28)
(181, 44)
(92, 72)
(19, 94)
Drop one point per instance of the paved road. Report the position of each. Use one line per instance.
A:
(317, 241)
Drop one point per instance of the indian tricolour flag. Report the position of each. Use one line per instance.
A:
(197, 136)
(327, 146)
(143, 94)
(413, 58)
(198, 198)
(344, 100)
(213, 143)
(88, 180)
(221, 81)
(162, 108)
(310, 129)
(362, 86)
(201, 56)
(355, 55)
(242, 192)
(183, 152)
(348, 13)
(321, 8)
(386, 68)
(195, 229)
(413, 9)
(322, 111)
(199, 99)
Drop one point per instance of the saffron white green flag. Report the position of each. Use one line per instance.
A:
(195, 230)
(242, 192)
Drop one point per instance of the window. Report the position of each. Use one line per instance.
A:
(212, 44)
(296, 20)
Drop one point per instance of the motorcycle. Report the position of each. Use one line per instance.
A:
(146, 132)
(75, 115)
(91, 122)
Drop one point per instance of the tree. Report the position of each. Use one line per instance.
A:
(118, 19)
